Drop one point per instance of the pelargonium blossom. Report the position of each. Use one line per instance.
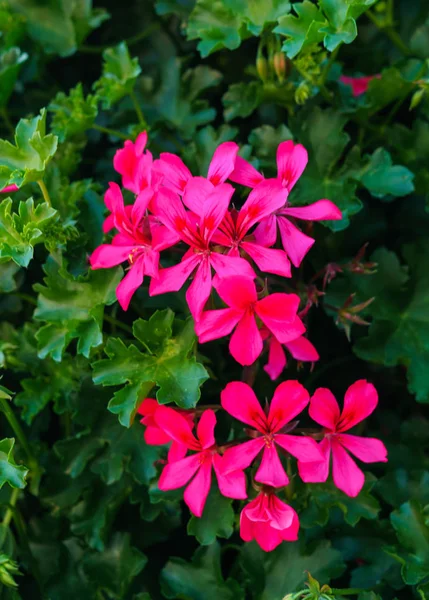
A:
(291, 162)
(360, 401)
(134, 164)
(197, 232)
(278, 312)
(197, 467)
(133, 243)
(175, 175)
(155, 436)
(268, 521)
(359, 85)
(301, 349)
(290, 398)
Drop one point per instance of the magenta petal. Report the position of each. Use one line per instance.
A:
(322, 210)
(108, 223)
(237, 292)
(177, 474)
(9, 188)
(360, 401)
(368, 450)
(231, 266)
(347, 475)
(199, 291)
(267, 537)
(241, 456)
(131, 282)
(245, 344)
(267, 197)
(140, 205)
(205, 428)
(324, 408)
(214, 324)
(245, 174)
(290, 398)
(214, 209)
(303, 448)
(175, 173)
(291, 162)
(196, 193)
(278, 313)
(172, 279)
(177, 452)
(231, 485)
(197, 491)
(266, 232)
(176, 426)
(295, 243)
(223, 162)
(271, 471)
(276, 359)
(240, 401)
(268, 259)
(302, 349)
(316, 472)
(281, 515)
(106, 256)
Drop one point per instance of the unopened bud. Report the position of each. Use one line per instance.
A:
(302, 93)
(262, 67)
(280, 65)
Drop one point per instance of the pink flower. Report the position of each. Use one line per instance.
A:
(278, 312)
(291, 162)
(132, 243)
(176, 175)
(359, 85)
(289, 399)
(269, 521)
(301, 349)
(134, 164)
(155, 436)
(359, 402)
(197, 232)
(9, 188)
(197, 467)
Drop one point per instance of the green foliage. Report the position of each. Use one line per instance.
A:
(73, 113)
(10, 472)
(120, 72)
(10, 65)
(217, 520)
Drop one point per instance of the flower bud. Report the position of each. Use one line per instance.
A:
(282, 65)
(262, 67)
(302, 93)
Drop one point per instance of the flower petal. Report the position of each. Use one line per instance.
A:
(240, 401)
(267, 197)
(245, 174)
(215, 324)
(196, 193)
(368, 450)
(198, 292)
(223, 162)
(241, 456)
(170, 211)
(231, 266)
(231, 485)
(324, 408)
(140, 205)
(131, 282)
(322, 210)
(176, 426)
(290, 398)
(295, 243)
(291, 162)
(302, 349)
(276, 359)
(172, 279)
(281, 515)
(279, 313)
(268, 260)
(107, 255)
(246, 344)
(177, 474)
(347, 476)
(316, 472)
(238, 292)
(197, 491)
(303, 448)
(271, 471)
(214, 209)
(177, 452)
(176, 174)
(267, 537)
(359, 402)
(266, 232)
(205, 428)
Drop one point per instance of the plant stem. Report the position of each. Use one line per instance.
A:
(44, 191)
(109, 131)
(11, 507)
(137, 108)
(391, 33)
(17, 429)
(117, 323)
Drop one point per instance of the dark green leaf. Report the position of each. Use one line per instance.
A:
(217, 519)
(10, 472)
(73, 114)
(10, 65)
(120, 72)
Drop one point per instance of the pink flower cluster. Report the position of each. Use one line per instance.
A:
(266, 518)
(221, 246)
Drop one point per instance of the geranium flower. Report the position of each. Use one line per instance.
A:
(197, 232)
(291, 162)
(268, 521)
(155, 436)
(197, 467)
(360, 401)
(176, 175)
(359, 85)
(133, 243)
(9, 188)
(278, 312)
(289, 399)
(301, 349)
(134, 164)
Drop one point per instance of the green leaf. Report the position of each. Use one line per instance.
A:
(382, 179)
(8, 270)
(342, 25)
(76, 452)
(215, 25)
(270, 579)
(302, 30)
(181, 8)
(10, 65)
(258, 14)
(411, 528)
(199, 151)
(167, 362)
(73, 309)
(241, 99)
(265, 140)
(199, 580)
(114, 570)
(20, 232)
(420, 39)
(59, 26)
(73, 114)
(120, 72)
(178, 102)
(217, 519)
(10, 472)
(27, 160)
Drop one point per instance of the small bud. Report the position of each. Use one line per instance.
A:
(302, 93)
(417, 98)
(262, 67)
(280, 65)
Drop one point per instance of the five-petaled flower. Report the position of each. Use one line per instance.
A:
(278, 312)
(290, 398)
(360, 401)
(197, 467)
(268, 521)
